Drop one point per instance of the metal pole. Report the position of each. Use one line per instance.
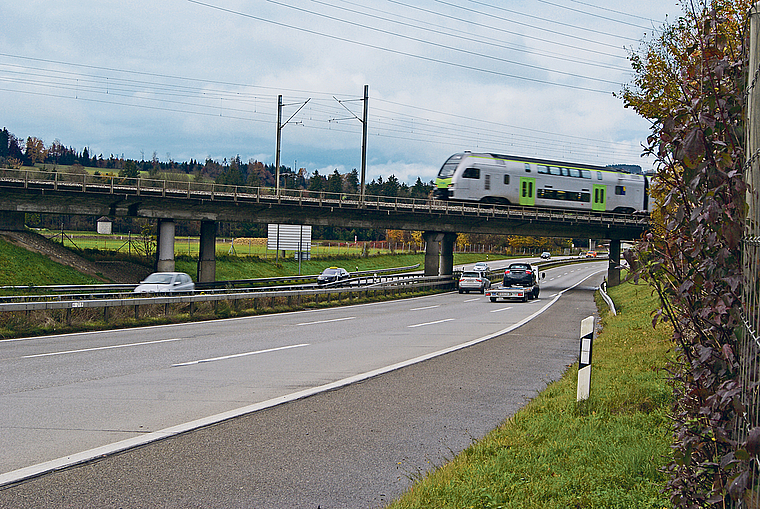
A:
(277, 152)
(364, 141)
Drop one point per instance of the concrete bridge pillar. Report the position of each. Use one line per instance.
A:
(613, 271)
(207, 253)
(439, 253)
(12, 221)
(432, 252)
(165, 254)
(447, 253)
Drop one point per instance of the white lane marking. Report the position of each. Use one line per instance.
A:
(326, 321)
(426, 307)
(234, 356)
(471, 300)
(502, 309)
(146, 438)
(430, 323)
(127, 345)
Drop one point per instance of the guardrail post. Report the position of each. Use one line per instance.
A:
(584, 359)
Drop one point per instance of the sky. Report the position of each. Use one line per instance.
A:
(199, 79)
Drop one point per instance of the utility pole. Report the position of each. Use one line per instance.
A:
(280, 125)
(364, 141)
(277, 152)
(363, 120)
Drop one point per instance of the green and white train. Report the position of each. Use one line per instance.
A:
(508, 180)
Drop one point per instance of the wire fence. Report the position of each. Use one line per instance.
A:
(750, 341)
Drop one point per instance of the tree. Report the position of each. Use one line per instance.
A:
(690, 84)
(351, 182)
(334, 183)
(35, 150)
(130, 170)
(317, 182)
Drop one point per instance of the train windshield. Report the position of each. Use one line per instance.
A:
(450, 166)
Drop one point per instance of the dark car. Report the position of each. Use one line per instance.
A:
(524, 275)
(332, 274)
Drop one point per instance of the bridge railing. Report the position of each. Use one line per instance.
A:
(84, 182)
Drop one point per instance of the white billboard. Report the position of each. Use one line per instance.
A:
(288, 237)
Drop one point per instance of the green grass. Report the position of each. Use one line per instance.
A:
(244, 267)
(606, 452)
(21, 267)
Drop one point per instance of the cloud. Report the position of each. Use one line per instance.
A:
(200, 80)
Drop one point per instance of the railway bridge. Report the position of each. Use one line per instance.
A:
(30, 191)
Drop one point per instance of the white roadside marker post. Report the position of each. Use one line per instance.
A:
(584, 360)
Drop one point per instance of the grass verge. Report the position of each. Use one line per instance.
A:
(605, 452)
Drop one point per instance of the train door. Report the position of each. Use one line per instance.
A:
(468, 187)
(599, 198)
(527, 191)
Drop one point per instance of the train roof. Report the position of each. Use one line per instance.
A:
(547, 162)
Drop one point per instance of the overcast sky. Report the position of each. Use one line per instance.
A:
(188, 79)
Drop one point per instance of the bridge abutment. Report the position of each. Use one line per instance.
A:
(12, 221)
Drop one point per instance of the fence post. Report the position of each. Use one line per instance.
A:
(584, 359)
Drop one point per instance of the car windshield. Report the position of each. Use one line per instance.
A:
(518, 266)
(329, 272)
(470, 274)
(160, 279)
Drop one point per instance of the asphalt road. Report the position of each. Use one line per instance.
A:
(356, 446)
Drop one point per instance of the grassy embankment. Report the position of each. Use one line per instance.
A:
(21, 267)
(605, 452)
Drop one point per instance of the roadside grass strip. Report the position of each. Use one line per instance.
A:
(605, 452)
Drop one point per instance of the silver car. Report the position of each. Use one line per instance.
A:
(474, 280)
(166, 282)
(481, 267)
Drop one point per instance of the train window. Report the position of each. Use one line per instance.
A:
(599, 175)
(488, 182)
(574, 172)
(506, 180)
(450, 166)
(557, 194)
(527, 168)
(543, 169)
(620, 190)
(585, 174)
(554, 170)
(471, 173)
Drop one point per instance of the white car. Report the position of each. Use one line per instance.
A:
(166, 282)
(475, 281)
(481, 267)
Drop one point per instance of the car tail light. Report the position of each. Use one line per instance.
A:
(529, 272)
(506, 271)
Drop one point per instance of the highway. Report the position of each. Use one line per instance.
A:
(79, 396)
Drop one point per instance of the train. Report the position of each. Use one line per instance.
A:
(509, 180)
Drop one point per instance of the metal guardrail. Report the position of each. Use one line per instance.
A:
(106, 290)
(136, 300)
(108, 184)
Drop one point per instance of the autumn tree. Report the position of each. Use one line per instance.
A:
(35, 150)
(690, 82)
